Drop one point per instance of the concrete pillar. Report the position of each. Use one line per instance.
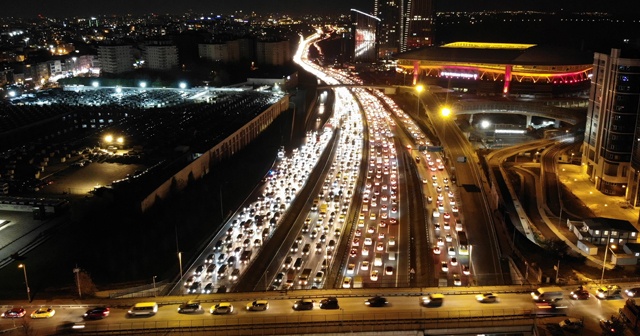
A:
(471, 119)
(556, 123)
(529, 117)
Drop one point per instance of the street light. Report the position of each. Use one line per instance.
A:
(419, 89)
(180, 262)
(604, 260)
(155, 293)
(26, 282)
(445, 113)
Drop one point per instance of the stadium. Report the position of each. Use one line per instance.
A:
(490, 69)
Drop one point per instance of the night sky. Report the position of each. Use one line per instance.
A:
(68, 8)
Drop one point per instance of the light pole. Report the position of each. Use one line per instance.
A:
(266, 279)
(445, 113)
(155, 293)
(26, 281)
(77, 273)
(419, 89)
(180, 262)
(604, 260)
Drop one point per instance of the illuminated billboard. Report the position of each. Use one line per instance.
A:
(364, 32)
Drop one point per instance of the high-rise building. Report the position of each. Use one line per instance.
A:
(390, 28)
(115, 58)
(273, 52)
(404, 25)
(611, 148)
(419, 27)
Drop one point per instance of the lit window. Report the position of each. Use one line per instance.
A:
(597, 232)
(606, 233)
(614, 233)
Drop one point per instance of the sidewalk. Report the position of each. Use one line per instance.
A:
(600, 204)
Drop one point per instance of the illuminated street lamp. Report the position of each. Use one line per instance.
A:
(95, 84)
(419, 89)
(143, 84)
(120, 140)
(26, 282)
(108, 138)
(183, 85)
(604, 260)
(118, 89)
(445, 113)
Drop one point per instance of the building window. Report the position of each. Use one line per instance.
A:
(606, 233)
(614, 233)
(597, 232)
(633, 234)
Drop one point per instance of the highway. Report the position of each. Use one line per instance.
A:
(403, 304)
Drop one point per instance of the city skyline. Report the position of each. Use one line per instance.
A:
(70, 8)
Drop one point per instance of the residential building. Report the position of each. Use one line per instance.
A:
(611, 150)
(273, 52)
(115, 58)
(389, 30)
(160, 55)
(598, 229)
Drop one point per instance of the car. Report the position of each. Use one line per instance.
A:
(440, 241)
(436, 250)
(380, 246)
(346, 283)
(358, 233)
(190, 307)
(486, 298)
(208, 289)
(304, 304)
(448, 238)
(388, 270)
(429, 199)
(380, 235)
(454, 261)
(351, 268)
(571, 324)
(456, 279)
(371, 229)
(580, 294)
(365, 265)
(444, 266)
(451, 251)
(329, 303)
(96, 313)
(446, 216)
(195, 287)
(355, 242)
(633, 292)
(376, 301)
(43, 312)
(209, 259)
(392, 241)
(221, 308)
(365, 250)
(258, 305)
(319, 276)
(465, 270)
(279, 277)
(14, 313)
(383, 224)
(432, 300)
(353, 253)
(374, 275)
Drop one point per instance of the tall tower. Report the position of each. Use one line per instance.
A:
(390, 29)
(611, 149)
(419, 28)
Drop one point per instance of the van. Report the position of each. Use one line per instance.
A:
(547, 294)
(144, 309)
(392, 256)
(377, 261)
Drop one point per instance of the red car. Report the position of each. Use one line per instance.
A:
(14, 312)
(96, 313)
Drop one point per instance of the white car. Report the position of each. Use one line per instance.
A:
(351, 268)
(374, 275)
(364, 266)
(392, 241)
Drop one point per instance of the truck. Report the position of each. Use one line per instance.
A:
(547, 294)
(630, 314)
(303, 279)
(357, 282)
(291, 274)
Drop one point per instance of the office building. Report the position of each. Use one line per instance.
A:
(390, 28)
(364, 29)
(611, 148)
(419, 25)
(273, 52)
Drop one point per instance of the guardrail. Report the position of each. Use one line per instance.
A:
(337, 322)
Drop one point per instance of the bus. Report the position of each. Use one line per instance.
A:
(463, 244)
